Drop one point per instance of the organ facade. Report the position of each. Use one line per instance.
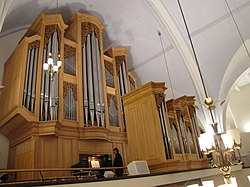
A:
(51, 119)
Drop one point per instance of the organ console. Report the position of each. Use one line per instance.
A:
(85, 108)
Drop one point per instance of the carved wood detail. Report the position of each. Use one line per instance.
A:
(88, 28)
(34, 44)
(119, 60)
(69, 51)
(67, 85)
(49, 30)
(159, 99)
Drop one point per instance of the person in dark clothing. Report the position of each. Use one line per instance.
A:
(105, 164)
(118, 162)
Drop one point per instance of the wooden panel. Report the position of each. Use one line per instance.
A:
(95, 147)
(143, 124)
(66, 153)
(12, 158)
(50, 153)
(24, 153)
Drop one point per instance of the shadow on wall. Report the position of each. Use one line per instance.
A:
(4, 150)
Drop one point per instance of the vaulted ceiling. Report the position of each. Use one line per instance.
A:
(134, 24)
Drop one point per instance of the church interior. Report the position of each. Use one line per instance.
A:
(128, 93)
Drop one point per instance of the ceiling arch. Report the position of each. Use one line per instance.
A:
(213, 32)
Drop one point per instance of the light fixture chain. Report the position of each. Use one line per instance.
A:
(191, 42)
(238, 29)
(195, 56)
(166, 63)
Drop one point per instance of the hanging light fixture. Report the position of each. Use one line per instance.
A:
(50, 66)
(222, 149)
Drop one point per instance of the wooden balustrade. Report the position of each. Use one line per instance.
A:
(87, 175)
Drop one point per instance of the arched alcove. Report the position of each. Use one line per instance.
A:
(237, 67)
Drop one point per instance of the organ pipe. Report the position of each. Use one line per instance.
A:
(95, 79)
(69, 99)
(92, 82)
(30, 76)
(165, 133)
(100, 85)
(85, 84)
(49, 88)
(122, 82)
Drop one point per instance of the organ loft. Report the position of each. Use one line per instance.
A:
(88, 104)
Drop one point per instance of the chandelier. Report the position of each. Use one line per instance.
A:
(52, 67)
(49, 66)
(221, 149)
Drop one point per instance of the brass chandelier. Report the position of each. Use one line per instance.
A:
(52, 67)
(53, 64)
(221, 148)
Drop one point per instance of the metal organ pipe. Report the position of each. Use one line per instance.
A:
(124, 75)
(99, 83)
(166, 139)
(95, 79)
(46, 83)
(26, 79)
(123, 87)
(30, 77)
(42, 87)
(33, 88)
(49, 89)
(85, 85)
(121, 82)
(92, 82)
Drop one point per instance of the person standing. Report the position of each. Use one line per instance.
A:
(106, 163)
(118, 162)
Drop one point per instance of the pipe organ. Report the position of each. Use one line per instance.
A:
(90, 106)
(51, 119)
(184, 126)
(165, 133)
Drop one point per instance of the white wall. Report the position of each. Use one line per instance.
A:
(4, 151)
(239, 104)
(7, 44)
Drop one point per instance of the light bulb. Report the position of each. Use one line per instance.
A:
(45, 66)
(234, 134)
(55, 68)
(227, 140)
(59, 63)
(50, 61)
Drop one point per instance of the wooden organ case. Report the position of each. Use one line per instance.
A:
(162, 133)
(50, 123)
